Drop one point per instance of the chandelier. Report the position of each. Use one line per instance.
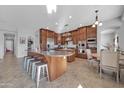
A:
(97, 22)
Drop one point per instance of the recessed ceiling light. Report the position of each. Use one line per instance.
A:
(80, 24)
(56, 23)
(70, 17)
(47, 27)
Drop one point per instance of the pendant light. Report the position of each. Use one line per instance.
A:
(97, 22)
(51, 8)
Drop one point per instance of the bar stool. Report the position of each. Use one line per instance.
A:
(41, 72)
(34, 66)
(30, 65)
(28, 62)
(34, 69)
(26, 58)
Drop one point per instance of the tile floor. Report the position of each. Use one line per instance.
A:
(12, 75)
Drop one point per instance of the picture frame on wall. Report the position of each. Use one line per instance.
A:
(22, 40)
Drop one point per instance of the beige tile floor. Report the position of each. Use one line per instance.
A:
(12, 75)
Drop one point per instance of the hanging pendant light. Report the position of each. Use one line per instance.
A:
(51, 8)
(97, 22)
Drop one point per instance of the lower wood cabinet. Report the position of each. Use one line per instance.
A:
(82, 55)
(71, 58)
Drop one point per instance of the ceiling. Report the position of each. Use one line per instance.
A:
(36, 16)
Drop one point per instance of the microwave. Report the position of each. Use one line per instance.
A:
(91, 40)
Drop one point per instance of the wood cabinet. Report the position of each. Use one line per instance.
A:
(55, 38)
(82, 34)
(63, 40)
(80, 55)
(74, 37)
(57, 65)
(43, 39)
(91, 32)
(44, 35)
(79, 34)
(50, 34)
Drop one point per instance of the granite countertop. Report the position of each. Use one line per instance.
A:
(57, 53)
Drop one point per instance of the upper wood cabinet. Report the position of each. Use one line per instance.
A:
(63, 40)
(57, 38)
(43, 39)
(74, 36)
(91, 32)
(44, 35)
(81, 33)
(50, 34)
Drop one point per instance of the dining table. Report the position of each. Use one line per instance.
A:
(97, 56)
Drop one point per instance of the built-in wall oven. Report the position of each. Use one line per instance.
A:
(92, 42)
(81, 46)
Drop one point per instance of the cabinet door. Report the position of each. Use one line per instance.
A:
(78, 35)
(81, 33)
(40, 39)
(44, 39)
(55, 38)
(62, 40)
(94, 32)
(74, 38)
(91, 32)
(84, 33)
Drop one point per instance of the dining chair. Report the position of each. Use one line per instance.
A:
(121, 62)
(91, 60)
(109, 60)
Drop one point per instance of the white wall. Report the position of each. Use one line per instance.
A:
(121, 36)
(1, 44)
(98, 40)
(107, 38)
(37, 40)
(22, 48)
(110, 24)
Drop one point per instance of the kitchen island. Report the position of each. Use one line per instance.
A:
(57, 62)
(70, 58)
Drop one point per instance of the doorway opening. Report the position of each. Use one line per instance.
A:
(9, 43)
